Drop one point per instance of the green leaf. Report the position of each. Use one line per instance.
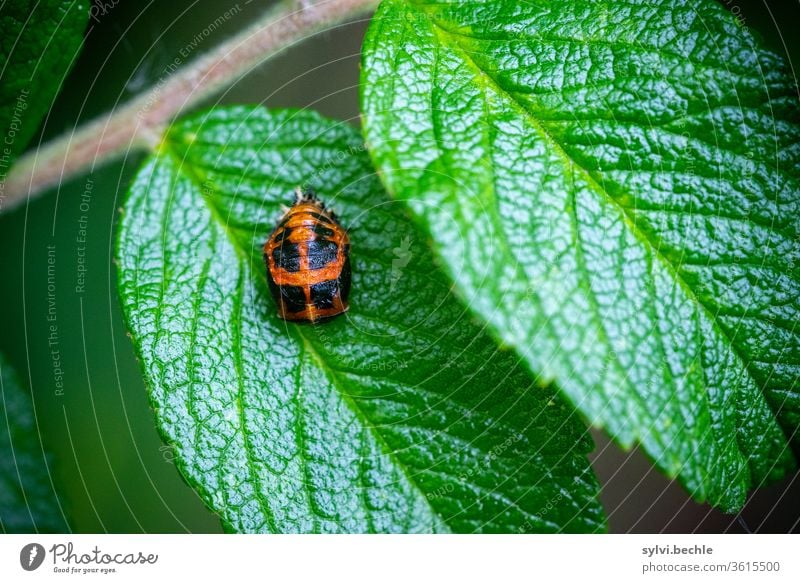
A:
(40, 42)
(28, 500)
(399, 416)
(613, 186)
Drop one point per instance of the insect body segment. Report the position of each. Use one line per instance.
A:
(308, 262)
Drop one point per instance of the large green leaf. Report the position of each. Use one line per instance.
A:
(40, 42)
(613, 186)
(28, 500)
(400, 416)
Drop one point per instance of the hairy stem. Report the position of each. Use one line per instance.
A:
(140, 123)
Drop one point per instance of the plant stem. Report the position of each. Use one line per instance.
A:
(140, 123)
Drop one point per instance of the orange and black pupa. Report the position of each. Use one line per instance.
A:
(308, 262)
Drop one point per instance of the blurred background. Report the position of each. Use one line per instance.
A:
(114, 471)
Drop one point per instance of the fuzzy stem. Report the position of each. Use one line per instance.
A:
(140, 123)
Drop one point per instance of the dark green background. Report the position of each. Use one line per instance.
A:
(116, 475)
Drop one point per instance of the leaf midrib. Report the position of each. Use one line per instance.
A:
(569, 162)
(332, 377)
(187, 168)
